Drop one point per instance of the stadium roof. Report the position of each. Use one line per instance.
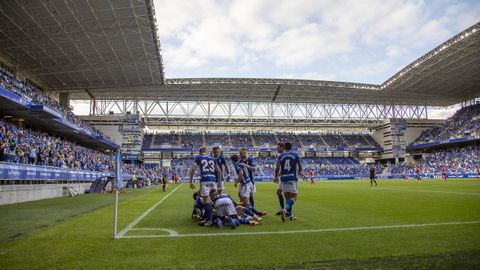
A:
(447, 75)
(83, 44)
(113, 52)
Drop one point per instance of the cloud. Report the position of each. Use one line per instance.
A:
(442, 113)
(310, 76)
(366, 40)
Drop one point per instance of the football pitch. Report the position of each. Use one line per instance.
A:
(340, 224)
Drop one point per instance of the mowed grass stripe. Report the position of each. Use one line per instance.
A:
(332, 204)
(144, 214)
(385, 227)
(85, 242)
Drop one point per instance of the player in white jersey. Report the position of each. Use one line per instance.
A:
(227, 210)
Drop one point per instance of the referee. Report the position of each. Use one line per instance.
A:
(372, 175)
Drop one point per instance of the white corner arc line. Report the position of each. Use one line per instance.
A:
(170, 232)
(400, 226)
(142, 216)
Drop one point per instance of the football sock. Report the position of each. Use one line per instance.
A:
(247, 211)
(208, 211)
(290, 203)
(253, 210)
(281, 200)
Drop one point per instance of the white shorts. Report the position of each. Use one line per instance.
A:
(279, 185)
(246, 190)
(206, 188)
(221, 185)
(288, 186)
(225, 207)
(254, 188)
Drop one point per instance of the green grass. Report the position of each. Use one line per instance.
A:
(78, 231)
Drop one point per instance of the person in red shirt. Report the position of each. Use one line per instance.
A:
(175, 178)
(417, 174)
(444, 173)
(307, 175)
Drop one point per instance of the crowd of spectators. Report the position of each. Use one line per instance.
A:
(290, 137)
(26, 146)
(456, 160)
(463, 123)
(32, 93)
(147, 140)
(264, 139)
(334, 140)
(266, 166)
(355, 140)
(165, 139)
(258, 139)
(241, 140)
(312, 140)
(212, 139)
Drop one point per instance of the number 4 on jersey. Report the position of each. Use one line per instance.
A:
(287, 166)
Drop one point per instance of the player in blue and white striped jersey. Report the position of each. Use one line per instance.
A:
(251, 166)
(221, 163)
(246, 185)
(209, 175)
(287, 170)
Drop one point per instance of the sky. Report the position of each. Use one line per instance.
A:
(364, 41)
(350, 40)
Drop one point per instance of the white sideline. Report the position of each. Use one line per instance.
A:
(400, 226)
(429, 190)
(142, 216)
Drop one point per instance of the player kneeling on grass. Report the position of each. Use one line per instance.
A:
(246, 185)
(198, 211)
(286, 170)
(209, 173)
(227, 210)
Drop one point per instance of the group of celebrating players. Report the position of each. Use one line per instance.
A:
(214, 206)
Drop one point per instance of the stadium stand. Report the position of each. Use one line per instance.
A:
(312, 140)
(456, 160)
(31, 147)
(164, 139)
(321, 167)
(147, 141)
(189, 139)
(212, 139)
(242, 140)
(263, 139)
(26, 146)
(334, 140)
(463, 123)
(258, 139)
(36, 96)
(289, 137)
